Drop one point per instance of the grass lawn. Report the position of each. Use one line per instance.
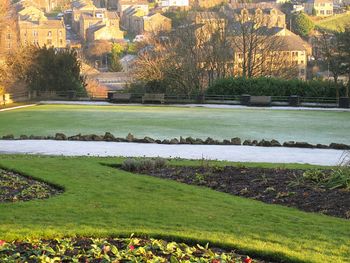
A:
(169, 122)
(103, 201)
(334, 23)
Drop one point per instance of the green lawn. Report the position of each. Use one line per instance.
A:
(168, 122)
(103, 201)
(334, 23)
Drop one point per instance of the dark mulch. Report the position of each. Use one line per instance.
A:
(15, 187)
(97, 250)
(273, 186)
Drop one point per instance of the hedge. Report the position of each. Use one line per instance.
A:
(274, 87)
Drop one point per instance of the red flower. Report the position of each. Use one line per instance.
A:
(2, 242)
(131, 247)
(215, 261)
(247, 260)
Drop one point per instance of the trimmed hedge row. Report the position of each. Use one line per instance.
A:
(275, 87)
(189, 140)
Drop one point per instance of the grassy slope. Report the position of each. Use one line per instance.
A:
(101, 201)
(168, 122)
(334, 23)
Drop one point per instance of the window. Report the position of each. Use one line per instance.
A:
(8, 36)
(302, 71)
(302, 62)
(35, 33)
(60, 33)
(49, 34)
(8, 45)
(49, 42)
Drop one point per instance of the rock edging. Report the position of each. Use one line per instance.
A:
(109, 137)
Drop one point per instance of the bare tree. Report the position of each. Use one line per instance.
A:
(188, 58)
(258, 51)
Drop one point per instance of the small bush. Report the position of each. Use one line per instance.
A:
(340, 178)
(143, 164)
(131, 165)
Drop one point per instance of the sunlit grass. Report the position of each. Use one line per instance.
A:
(103, 201)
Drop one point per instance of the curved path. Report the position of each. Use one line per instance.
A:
(212, 152)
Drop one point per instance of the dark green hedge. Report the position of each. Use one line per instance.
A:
(274, 87)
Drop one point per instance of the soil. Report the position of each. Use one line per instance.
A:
(92, 250)
(15, 187)
(274, 186)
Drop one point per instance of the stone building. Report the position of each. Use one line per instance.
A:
(151, 23)
(319, 7)
(99, 24)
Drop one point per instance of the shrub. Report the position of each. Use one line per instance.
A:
(143, 164)
(340, 178)
(274, 87)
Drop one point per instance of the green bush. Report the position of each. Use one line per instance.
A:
(143, 164)
(274, 87)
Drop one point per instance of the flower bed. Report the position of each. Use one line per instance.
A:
(326, 192)
(114, 250)
(15, 187)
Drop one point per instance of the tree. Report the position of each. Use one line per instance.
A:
(344, 48)
(258, 52)
(302, 24)
(330, 49)
(48, 69)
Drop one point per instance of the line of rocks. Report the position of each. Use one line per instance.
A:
(189, 140)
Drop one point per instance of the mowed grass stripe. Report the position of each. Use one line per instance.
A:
(103, 201)
(169, 122)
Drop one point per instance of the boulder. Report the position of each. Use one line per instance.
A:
(86, 137)
(8, 137)
(236, 141)
(95, 137)
(118, 139)
(23, 137)
(198, 141)
(149, 140)
(75, 137)
(190, 140)
(165, 141)
(248, 142)
(254, 142)
(109, 137)
(130, 137)
(339, 146)
(322, 146)
(275, 143)
(303, 145)
(264, 143)
(60, 137)
(209, 140)
(226, 142)
(183, 140)
(158, 141)
(289, 144)
(37, 137)
(174, 141)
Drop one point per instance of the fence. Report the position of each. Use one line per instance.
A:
(169, 98)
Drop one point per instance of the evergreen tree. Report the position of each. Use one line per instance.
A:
(302, 24)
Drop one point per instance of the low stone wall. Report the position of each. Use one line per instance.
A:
(188, 140)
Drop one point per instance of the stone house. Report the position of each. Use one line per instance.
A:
(319, 7)
(289, 54)
(151, 23)
(136, 4)
(100, 24)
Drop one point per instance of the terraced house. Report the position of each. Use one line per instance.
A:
(99, 24)
(34, 28)
(319, 7)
